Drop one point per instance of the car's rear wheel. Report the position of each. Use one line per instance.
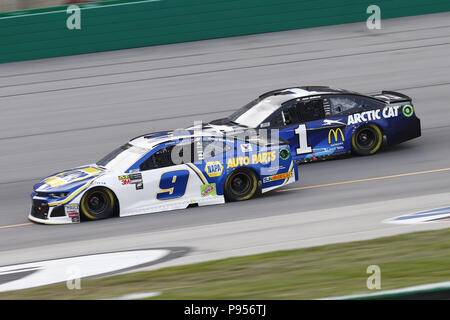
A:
(241, 184)
(367, 140)
(98, 203)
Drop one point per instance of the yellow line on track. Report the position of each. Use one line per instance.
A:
(16, 225)
(364, 180)
(314, 187)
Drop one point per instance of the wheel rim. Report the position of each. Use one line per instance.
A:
(96, 202)
(240, 184)
(366, 139)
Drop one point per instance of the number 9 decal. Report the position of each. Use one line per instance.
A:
(173, 184)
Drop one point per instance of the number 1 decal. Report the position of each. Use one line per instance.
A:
(302, 140)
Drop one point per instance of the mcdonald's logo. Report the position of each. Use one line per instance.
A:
(335, 133)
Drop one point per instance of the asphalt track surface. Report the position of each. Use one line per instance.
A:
(64, 112)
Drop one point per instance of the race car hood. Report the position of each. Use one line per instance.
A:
(68, 180)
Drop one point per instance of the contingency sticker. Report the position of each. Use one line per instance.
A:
(73, 211)
(208, 190)
(276, 177)
(132, 178)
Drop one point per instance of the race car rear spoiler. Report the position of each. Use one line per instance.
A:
(392, 97)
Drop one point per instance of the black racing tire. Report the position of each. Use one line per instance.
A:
(240, 185)
(367, 140)
(98, 203)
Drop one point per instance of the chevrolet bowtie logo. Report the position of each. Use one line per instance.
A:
(335, 133)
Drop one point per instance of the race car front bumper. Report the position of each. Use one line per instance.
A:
(43, 212)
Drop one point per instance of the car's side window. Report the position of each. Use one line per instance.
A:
(277, 120)
(343, 105)
(290, 115)
(160, 159)
(294, 112)
(310, 110)
(170, 156)
(213, 148)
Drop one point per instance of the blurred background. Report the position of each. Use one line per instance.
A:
(12, 5)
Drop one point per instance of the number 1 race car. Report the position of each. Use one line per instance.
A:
(164, 171)
(321, 122)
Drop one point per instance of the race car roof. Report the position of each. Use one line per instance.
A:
(150, 141)
(287, 94)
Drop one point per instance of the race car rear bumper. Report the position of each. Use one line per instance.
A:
(409, 130)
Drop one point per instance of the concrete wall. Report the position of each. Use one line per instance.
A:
(119, 24)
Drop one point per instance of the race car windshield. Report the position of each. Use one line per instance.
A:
(122, 158)
(254, 113)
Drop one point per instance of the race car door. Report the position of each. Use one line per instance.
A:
(324, 136)
(301, 123)
(166, 185)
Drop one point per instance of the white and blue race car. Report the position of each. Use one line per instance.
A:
(164, 171)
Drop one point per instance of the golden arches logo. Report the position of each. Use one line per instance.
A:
(335, 133)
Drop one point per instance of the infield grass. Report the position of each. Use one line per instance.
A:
(318, 272)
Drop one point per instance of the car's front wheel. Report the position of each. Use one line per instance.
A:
(98, 203)
(241, 184)
(367, 140)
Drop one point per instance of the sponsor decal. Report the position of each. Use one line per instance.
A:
(139, 186)
(263, 157)
(214, 169)
(246, 147)
(75, 219)
(276, 177)
(70, 176)
(54, 182)
(408, 110)
(72, 210)
(335, 133)
(91, 170)
(284, 153)
(333, 122)
(135, 177)
(132, 178)
(125, 182)
(208, 190)
(386, 113)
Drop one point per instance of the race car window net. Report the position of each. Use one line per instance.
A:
(122, 158)
(310, 110)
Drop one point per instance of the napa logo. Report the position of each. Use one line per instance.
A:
(214, 169)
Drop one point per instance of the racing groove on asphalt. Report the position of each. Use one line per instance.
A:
(65, 112)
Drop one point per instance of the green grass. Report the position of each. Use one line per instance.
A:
(332, 270)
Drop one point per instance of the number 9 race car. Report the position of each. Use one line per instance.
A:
(164, 171)
(320, 122)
